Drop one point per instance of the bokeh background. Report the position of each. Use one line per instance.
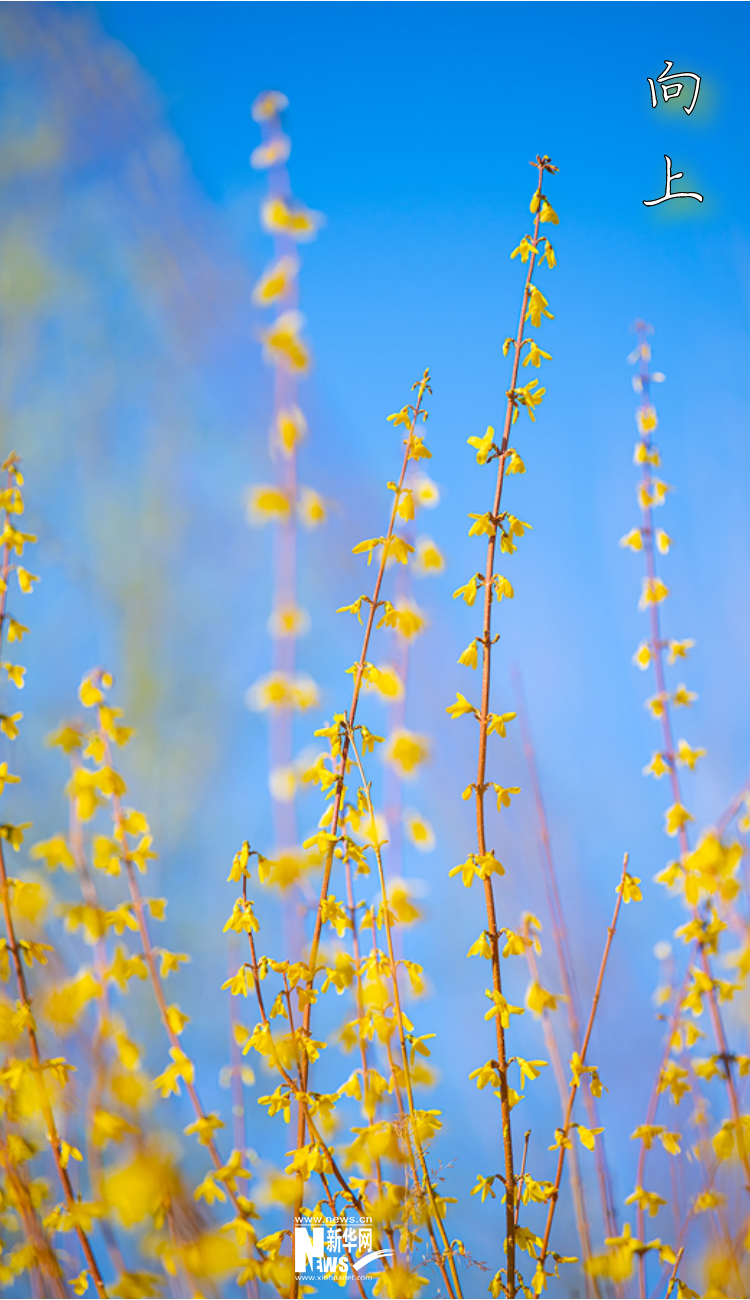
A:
(132, 384)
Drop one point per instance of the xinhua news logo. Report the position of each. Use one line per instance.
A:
(333, 1247)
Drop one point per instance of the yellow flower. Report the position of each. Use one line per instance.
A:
(428, 558)
(688, 757)
(6, 778)
(405, 751)
(642, 657)
(657, 767)
(15, 674)
(25, 579)
(539, 999)
(654, 591)
(675, 818)
(276, 281)
(643, 454)
(483, 445)
(288, 620)
(268, 104)
(663, 542)
(289, 430)
(468, 592)
(311, 509)
(282, 691)
(266, 503)
(426, 491)
(272, 152)
(386, 681)
(537, 307)
(460, 707)
(55, 853)
(629, 888)
(645, 418)
(679, 649)
(16, 630)
(419, 831)
(645, 1201)
(548, 214)
(657, 704)
(535, 354)
(633, 539)
(296, 221)
(282, 345)
(682, 696)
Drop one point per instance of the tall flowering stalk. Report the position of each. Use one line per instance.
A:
(349, 836)
(40, 1073)
(503, 529)
(705, 875)
(285, 502)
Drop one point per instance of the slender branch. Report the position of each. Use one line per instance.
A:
(426, 1180)
(673, 1274)
(575, 1081)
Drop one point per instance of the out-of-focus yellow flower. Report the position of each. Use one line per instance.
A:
(268, 104)
(386, 681)
(266, 503)
(311, 508)
(406, 751)
(426, 491)
(653, 592)
(657, 704)
(645, 455)
(212, 1255)
(539, 999)
(633, 539)
(26, 579)
(276, 281)
(652, 494)
(288, 620)
(298, 222)
(138, 1189)
(682, 696)
(55, 853)
(679, 649)
(645, 418)
(289, 428)
(286, 868)
(283, 691)
(675, 818)
(428, 557)
(688, 757)
(272, 152)
(419, 831)
(282, 345)
(643, 655)
(657, 767)
(64, 1004)
(663, 541)
(282, 782)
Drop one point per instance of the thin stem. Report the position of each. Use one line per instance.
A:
(480, 787)
(673, 1274)
(426, 1180)
(562, 945)
(575, 1080)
